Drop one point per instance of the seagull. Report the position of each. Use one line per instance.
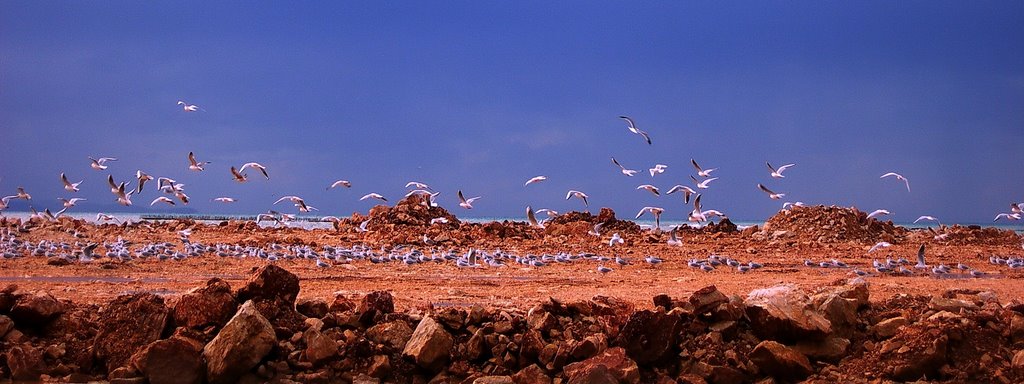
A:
(596, 230)
(771, 195)
(790, 205)
(373, 196)
(99, 164)
(627, 172)
(548, 212)
(114, 187)
(22, 194)
(579, 195)
(225, 200)
(123, 198)
(650, 188)
(1008, 216)
(340, 183)
(654, 211)
(700, 171)
(532, 218)
(673, 239)
(143, 178)
(262, 169)
(299, 203)
(603, 269)
(466, 203)
(687, 191)
(1016, 207)
(616, 239)
(658, 168)
(777, 173)
(931, 218)
(188, 107)
(898, 176)
(105, 217)
(938, 236)
(195, 165)
(162, 199)
(878, 246)
(535, 179)
(417, 185)
(878, 212)
(696, 215)
(634, 129)
(703, 184)
(5, 201)
(70, 203)
(238, 176)
(442, 220)
(920, 258)
(69, 186)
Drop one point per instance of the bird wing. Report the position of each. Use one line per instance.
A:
(783, 168)
(920, 255)
(770, 167)
(694, 162)
(192, 159)
(617, 163)
(632, 126)
(765, 189)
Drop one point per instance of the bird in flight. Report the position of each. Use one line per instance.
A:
(771, 195)
(700, 171)
(188, 107)
(68, 185)
(650, 188)
(195, 165)
(535, 179)
(466, 203)
(687, 192)
(656, 211)
(898, 176)
(258, 166)
(100, 163)
(703, 184)
(878, 212)
(777, 173)
(578, 195)
(634, 129)
(340, 183)
(372, 195)
(658, 168)
(627, 172)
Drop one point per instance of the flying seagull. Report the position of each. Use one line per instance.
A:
(188, 107)
(634, 129)
(70, 203)
(69, 186)
(372, 195)
(143, 178)
(238, 176)
(687, 191)
(162, 199)
(771, 195)
(929, 218)
(258, 166)
(466, 203)
(777, 173)
(700, 171)
(654, 211)
(650, 188)
(579, 195)
(100, 163)
(532, 218)
(340, 183)
(898, 176)
(878, 212)
(703, 184)
(417, 185)
(658, 168)
(535, 179)
(195, 165)
(627, 172)
(225, 200)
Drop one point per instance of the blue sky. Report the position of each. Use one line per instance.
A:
(481, 96)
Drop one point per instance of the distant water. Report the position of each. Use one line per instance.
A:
(309, 222)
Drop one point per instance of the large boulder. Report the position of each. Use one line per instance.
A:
(271, 282)
(319, 347)
(171, 361)
(239, 346)
(430, 345)
(35, 308)
(212, 305)
(782, 313)
(620, 366)
(25, 363)
(706, 299)
(127, 324)
(780, 361)
(393, 335)
(648, 336)
(374, 306)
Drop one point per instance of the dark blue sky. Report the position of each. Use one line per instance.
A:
(481, 96)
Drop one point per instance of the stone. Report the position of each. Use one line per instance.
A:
(622, 368)
(532, 374)
(726, 375)
(393, 334)
(271, 282)
(598, 374)
(1018, 359)
(1016, 326)
(590, 346)
(887, 328)
(8, 297)
(239, 346)
(341, 304)
(780, 361)
(923, 360)
(781, 313)
(6, 325)
(940, 303)
(319, 347)
(171, 361)
(374, 304)
(212, 305)
(364, 379)
(380, 366)
(315, 308)
(541, 320)
(58, 261)
(35, 309)
(840, 312)
(430, 345)
(126, 325)
(494, 380)
(25, 363)
(476, 345)
(831, 349)
(649, 336)
(706, 299)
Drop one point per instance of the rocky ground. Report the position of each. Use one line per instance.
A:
(226, 320)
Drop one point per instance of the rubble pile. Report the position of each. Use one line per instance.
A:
(831, 224)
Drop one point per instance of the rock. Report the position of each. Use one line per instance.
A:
(210, 305)
(494, 380)
(840, 312)
(380, 366)
(532, 374)
(173, 360)
(648, 336)
(706, 299)
(887, 328)
(35, 309)
(319, 347)
(921, 361)
(364, 379)
(598, 374)
(374, 304)
(940, 303)
(622, 368)
(314, 308)
(541, 320)
(781, 313)
(476, 345)
(1018, 359)
(430, 345)
(271, 282)
(57, 261)
(239, 346)
(6, 324)
(127, 324)
(726, 375)
(1016, 326)
(780, 361)
(831, 349)
(341, 304)
(7, 298)
(393, 335)
(590, 346)
(25, 363)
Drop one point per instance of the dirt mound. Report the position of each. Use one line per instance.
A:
(833, 224)
(606, 216)
(412, 211)
(971, 235)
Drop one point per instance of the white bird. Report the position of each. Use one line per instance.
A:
(466, 203)
(634, 129)
(100, 163)
(930, 218)
(704, 183)
(224, 200)
(1016, 207)
(5, 201)
(238, 176)
(195, 165)
(687, 192)
(616, 239)
(22, 194)
(123, 198)
(658, 168)
(142, 177)
(340, 183)
(920, 258)
(777, 173)
(938, 236)
(789, 204)
(879, 245)
(258, 166)
(188, 107)
(532, 218)
(298, 201)
(105, 217)
(627, 172)
(417, 185)
(650, 188)
(656, 211)
(697, 215)
(878, 212)
(69, 186)
(535, 179)
(898, 176)
(596, 230)
(771, 195)
(373, 196)
(700, 171)
(1008, 216)
(442, 220)
(70, 203)
(579, 195)
(673, 239)
(549, 212)
(162, 199)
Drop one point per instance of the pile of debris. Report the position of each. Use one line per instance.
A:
(832, 224)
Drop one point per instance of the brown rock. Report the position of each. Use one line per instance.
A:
(621, 367)
(598, 374)
(319, 347)
(58, 261)
(922, 360)
(380, 366)
(271, 282)
(375, 304)
(532, 374)
(25, 363)
(781, 313)
(648, 336)
(35, 309)
(6, 324)
(840, 312)
(393, 335)
(364, 379)
(210, 305)
(940, 303)
(239, 346)
(127, 324)
(706, 299)
(1018, 359)
(831, 349)
(780, 361)
(314, 308)
(476, 345)
(171, 361)
(726, 375)
(590, 346)
(494, 380)
(430, 345)
(8, 297)
(1016, 326)
(540, 320)
(341, 304)
(887, 328)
